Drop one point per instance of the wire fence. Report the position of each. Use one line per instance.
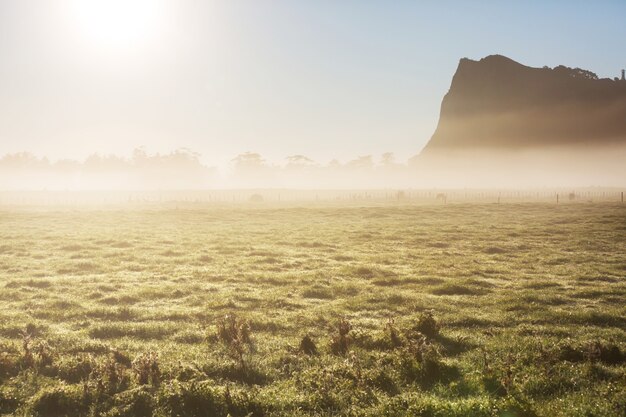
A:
(259, 196)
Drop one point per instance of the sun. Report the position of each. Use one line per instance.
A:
(118, 23)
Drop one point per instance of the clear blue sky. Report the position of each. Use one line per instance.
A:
(324, 78)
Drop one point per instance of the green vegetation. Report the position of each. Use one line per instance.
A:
(447, 310)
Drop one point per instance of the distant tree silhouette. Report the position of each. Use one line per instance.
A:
(299, 159)
(251, 169)
(181, 168)
(299, 162)
(248, 160)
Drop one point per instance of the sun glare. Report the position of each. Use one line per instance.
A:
(118, 23)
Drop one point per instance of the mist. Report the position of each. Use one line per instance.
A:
(182, 169)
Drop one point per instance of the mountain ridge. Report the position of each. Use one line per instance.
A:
(498, 103)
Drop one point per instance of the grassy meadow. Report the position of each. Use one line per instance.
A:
(463, 309)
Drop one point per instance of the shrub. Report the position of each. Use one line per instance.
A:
(232, 329)
(427, 325)
(341, 341)
(28, 359)
(394, 336)
(235, 333)
(307, 346)
(146, 369)
(421, 361)
(35, 354)
(43, 354)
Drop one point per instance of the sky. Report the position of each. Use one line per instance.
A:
(327, 79)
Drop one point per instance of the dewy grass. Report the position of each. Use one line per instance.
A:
(397, 310)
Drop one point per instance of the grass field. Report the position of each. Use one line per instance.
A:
(390, 310)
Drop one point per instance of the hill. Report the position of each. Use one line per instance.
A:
(501, 104)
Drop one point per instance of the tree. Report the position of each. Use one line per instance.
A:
(248, 161)
(299, 161)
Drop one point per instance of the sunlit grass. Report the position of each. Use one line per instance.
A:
(119, 312)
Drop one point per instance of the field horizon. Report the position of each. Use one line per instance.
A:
(276, 197)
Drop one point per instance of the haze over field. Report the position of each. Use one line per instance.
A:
(329, 81)
(182, 170)
(534, 127)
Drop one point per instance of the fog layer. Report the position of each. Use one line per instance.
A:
(575, 166)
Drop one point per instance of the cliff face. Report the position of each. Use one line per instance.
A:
(500, 104)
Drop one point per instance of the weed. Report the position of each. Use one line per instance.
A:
(394, 336)
(109, 375)
(307, 346)
(421, 361)
(427, 325)
(43, 353)
(235, 333)
(341, 340)
(146, 369)
(28, 358)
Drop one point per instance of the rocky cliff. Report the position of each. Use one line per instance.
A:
(501, 104)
